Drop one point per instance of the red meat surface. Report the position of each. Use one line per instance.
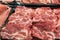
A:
(45, 20)
(26, 1)
(40, 1)
(26, 23)
(56, 1)
(18, 26)
(45, 1)
(4, 12)
(57, 30)
(34, 1)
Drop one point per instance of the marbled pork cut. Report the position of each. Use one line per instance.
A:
(43, 23)
(12, 31)
(18, 26)
(57, 30)
(44, 20)
(4, 12)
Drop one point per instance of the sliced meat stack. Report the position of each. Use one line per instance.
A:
(4, 12)
(43, 23)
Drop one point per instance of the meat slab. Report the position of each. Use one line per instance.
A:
(4, 12)
(26, 23)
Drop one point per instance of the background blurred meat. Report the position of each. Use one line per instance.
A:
(4, 12)
(56, 1)
(7, 1)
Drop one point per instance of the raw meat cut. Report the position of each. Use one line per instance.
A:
(57, 30)
(44, 15)
(45, 20)
(18, 26)
(4, 12)
(43, 23)
(56, 1)
(13, 32)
